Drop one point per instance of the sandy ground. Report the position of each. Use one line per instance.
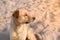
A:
(47, 13)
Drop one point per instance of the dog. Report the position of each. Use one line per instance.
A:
(22, 31)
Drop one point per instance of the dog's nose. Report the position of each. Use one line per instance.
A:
(33, 18)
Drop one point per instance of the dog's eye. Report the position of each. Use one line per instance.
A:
(25, 15)
(16, 14)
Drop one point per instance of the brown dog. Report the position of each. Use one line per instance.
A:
(21, 19)
(22, 31)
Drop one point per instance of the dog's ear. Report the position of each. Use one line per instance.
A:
(16, 14)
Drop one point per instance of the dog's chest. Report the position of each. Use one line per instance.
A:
(22, 31)
(22, 28)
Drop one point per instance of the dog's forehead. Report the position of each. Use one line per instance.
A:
(23, 11)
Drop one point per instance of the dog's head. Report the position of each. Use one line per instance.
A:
(19, 16)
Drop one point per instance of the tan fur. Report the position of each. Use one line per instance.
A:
(22, 31)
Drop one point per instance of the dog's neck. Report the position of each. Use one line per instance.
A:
(21, 25)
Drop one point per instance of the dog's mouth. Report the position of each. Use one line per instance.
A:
(27, 22)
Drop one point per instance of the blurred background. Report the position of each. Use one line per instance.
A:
(47, 13)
